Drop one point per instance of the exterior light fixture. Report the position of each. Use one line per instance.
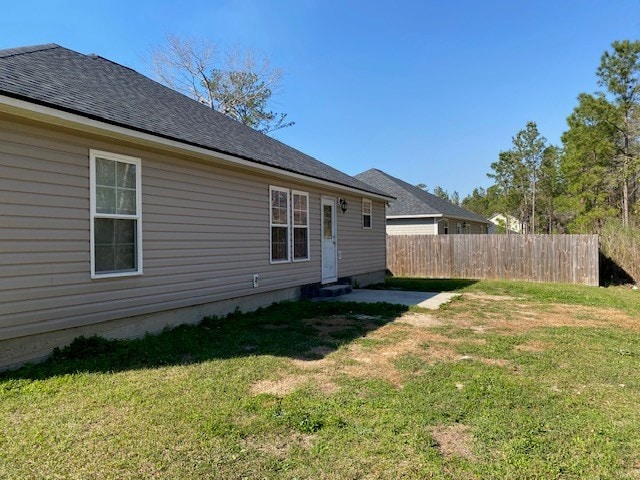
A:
(343, 205)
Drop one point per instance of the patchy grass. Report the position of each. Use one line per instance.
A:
(616, 297)
(502, 383)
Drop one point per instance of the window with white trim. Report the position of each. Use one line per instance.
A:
(279, 208)
(116, 214)
(300, 225)
(367, 209)
(289, 213)
(445, 226)
(458, 228)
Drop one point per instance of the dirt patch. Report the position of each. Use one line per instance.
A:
(289, 383)
(386, 351)
(453, 440)
(279, 445)
(419, 320)
(440, 353)
(282, 386)
(363, 361)
(409, 334)
(498, 362)
(521, 317)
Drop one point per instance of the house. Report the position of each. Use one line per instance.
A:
(502, 223)
(417, 212)
(126, 207)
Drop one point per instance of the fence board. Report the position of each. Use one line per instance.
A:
(534, 258)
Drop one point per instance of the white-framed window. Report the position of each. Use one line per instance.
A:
(300, 222)
(116, 214)
(289, 236)
(445, 226)
(458, 228)
(367, 209)
(280, 217)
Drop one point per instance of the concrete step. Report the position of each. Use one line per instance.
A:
(334, 291)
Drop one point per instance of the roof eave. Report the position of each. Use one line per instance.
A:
(438, 215)
(430, 215)
(54, 115)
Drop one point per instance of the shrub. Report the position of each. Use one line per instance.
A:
(622, 245)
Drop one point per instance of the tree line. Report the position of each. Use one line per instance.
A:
(593, 178)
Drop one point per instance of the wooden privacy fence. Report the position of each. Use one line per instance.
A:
(533, 258)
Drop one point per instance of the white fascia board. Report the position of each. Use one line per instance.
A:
(468, 219)
(78, 122)
(438, 215)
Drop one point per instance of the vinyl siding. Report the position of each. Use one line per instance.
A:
(205, 233)
(425, 226)
(411, 226)
(360, 247)
(475, 227)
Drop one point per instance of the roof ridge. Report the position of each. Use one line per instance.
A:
(437, 204)
(95, 56)
(413, 190)
(12, 52)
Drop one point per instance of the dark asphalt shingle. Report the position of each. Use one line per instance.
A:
(413, 201)
(97, 88)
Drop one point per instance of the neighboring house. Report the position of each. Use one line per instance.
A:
(502, 223)
(126, 207)
(417, 212)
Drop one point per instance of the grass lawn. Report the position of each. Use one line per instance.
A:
(511, 380)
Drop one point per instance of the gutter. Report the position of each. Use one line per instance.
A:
(438, 215)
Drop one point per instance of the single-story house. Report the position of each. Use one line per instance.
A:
(127, 207)
(418, 212)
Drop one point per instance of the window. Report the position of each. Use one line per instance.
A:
(458, 228)
(300, 225)
(445, 226)
(366, 213)
(289, 211)
(279, 224)
(116, 215)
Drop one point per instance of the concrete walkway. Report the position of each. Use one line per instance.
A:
(430, 300)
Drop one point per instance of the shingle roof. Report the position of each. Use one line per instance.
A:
(100, 89)
(413, 201)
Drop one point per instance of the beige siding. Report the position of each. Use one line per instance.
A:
(475, 227)
(359, 247)
(205, 233)
(425, 226)
(411, 226)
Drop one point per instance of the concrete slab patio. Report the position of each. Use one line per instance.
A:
(430, 300)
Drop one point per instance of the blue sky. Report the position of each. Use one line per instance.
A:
(428, 91)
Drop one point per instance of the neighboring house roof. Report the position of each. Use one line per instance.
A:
(503, 217)
(99, 89)
(412, 201)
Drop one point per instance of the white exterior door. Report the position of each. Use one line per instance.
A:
(329, 244)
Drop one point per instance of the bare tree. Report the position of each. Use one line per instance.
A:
(239, 84)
